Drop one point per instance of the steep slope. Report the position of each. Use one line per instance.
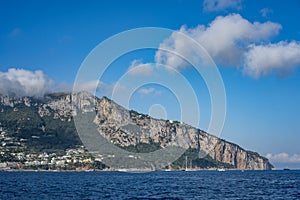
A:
(115, 122)
(48, 124)
(33, 122)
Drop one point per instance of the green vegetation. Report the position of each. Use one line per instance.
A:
(142, 147)
(205, 161)
(41, 133)
(192, 156)
(56, 134)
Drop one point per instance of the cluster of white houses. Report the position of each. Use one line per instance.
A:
(13, 155)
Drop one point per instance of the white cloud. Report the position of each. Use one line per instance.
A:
(103, 89)
(23, 82)
(89, 86)
(282, 57)
(231, 41)
(177, 43)
(147, 91)
(284, 158)
(118, 88)
(226, 39)
(218, 5)
(265, 12)
(138, 68)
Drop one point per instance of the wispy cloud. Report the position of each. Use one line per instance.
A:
(101, 88)
(90, 86)
(219, 5)
(138, 68)
(265, 12)
(284, 158)
(118, 88)
(148, 91)
(65, 39)
(15, 33)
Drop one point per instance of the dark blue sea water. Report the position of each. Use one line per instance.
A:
(152, 185)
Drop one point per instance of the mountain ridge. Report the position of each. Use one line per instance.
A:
(120, 126)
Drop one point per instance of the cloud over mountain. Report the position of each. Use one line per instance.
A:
(23, 82)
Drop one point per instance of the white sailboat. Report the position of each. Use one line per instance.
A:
(191, 165)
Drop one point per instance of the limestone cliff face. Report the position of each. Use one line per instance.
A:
(125, 128)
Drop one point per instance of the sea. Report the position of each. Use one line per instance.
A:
(151, 185)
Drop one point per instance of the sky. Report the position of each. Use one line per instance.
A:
(255, 46)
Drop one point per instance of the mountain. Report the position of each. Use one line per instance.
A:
(47, 124)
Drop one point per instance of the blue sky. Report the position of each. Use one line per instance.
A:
(255, 44)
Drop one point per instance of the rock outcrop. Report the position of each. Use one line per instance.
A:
(115, 122)
(125, 128)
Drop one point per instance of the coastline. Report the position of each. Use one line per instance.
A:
(135, 170)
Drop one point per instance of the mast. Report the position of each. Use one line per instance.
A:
(198, 133)
(186, 163)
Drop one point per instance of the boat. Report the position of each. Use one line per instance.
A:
(186, 165)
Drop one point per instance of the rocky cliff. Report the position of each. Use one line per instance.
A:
(126, 128)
